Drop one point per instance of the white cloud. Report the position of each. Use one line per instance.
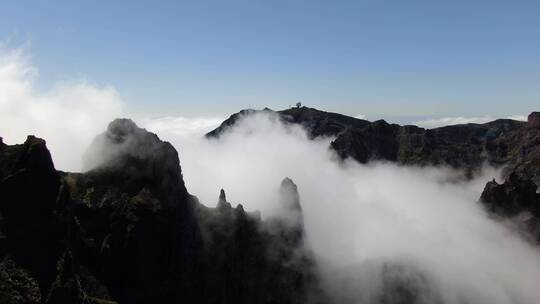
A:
(518, 117)
(183, 126)
(447, 121)
(360, 216)
(360, 116)
(68, 116)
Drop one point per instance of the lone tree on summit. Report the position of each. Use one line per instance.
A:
(298, 104)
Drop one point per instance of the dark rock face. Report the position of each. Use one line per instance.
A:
(17, 285)
(254, 258)
(29, 223)
(516, 199)
(513, 196)
(527, 157)
(137, 158)
(128, 231)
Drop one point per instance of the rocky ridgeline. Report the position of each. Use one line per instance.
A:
(128, 231)
(466, 146)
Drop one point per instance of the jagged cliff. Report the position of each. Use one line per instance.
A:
(517, 197)
(128, 231)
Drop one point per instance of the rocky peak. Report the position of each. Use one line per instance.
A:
(137, 158)
(516, 194)
(124, 139)
(29, 187)
(515, 199)
(37, 155)
(222, 197)
(32, 155)
(292, 217)
(222, 201)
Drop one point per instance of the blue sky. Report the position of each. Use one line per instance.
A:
(378, 58)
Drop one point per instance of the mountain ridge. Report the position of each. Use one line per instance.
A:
(466, 146)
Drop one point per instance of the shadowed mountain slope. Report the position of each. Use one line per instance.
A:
(128, 231)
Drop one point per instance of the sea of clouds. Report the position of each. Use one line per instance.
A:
(359, 218)
(362, 218)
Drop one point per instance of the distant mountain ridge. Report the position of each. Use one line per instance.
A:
(502, 142)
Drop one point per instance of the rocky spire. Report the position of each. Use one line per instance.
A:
(289, 200)
(289, 197)
(222, 197)
(222, 201)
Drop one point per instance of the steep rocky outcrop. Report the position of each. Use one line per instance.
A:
(517, 198)
(128, 231)
(255, 257)
(29, 186)
(526, 161)
(513, 196)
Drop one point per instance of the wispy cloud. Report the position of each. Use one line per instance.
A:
(68, 115)
(183, 126)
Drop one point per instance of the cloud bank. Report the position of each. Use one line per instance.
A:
(447, 121)
(369, 225)
(181, 126)
(68, 116)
